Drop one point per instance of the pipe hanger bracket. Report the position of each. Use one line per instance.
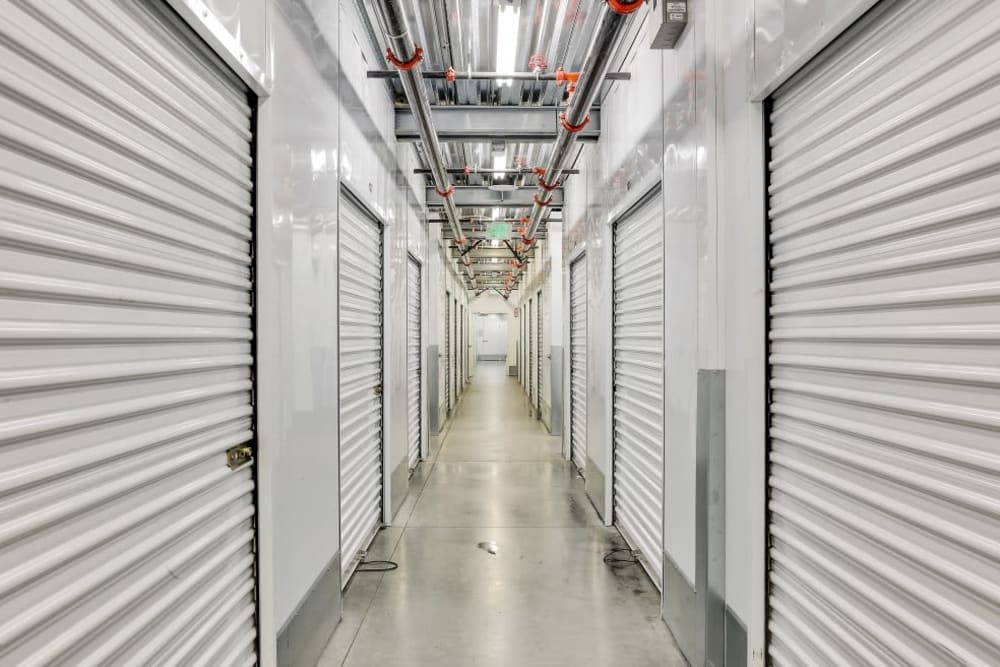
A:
(405, 66)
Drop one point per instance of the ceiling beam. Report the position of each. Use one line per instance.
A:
(473, 196)
(493, 123)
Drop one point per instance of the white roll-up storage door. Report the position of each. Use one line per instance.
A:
(532, 352)
(539, 353)
(578, 362)
(884, 482)
(360, 381)
(447, 352)
(125, 341)
(638, 383)
(413, 363)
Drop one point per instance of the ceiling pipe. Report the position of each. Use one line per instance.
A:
(610, 26)
(405, 55)
(453, 75)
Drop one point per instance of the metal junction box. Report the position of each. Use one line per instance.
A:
(673, 18)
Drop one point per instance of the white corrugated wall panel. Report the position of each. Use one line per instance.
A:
(360, 382)
(447, 353)
(638, 383)
(578, 362)
(413, 364)
(125, 341)
(884, 483)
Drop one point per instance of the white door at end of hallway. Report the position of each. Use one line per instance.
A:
(638, 363)
(414, 366)
(490, 331)
(127, 439)
(884, 344)
(361, 456)
(578, 362)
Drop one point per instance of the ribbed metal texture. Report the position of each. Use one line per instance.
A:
(125, 342)
(539, 351)
(447, 351)
(360, 382)
(414, 368)
(884, 484)
(638, 383)
(532, 353)
(578, 362)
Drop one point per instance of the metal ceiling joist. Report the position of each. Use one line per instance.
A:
(488, 123)
(473, 196)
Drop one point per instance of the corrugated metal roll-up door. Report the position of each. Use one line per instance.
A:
(126, 213)
(539, 353)
(638, 382)
(447, 351)
(456, 377)
(414, 367)
(884, 445)
(531, 352)
(360, 381)
(578, 362)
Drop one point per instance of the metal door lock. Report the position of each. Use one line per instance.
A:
(238, 456)
(378, 390)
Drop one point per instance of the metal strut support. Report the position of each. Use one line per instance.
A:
(405, 56)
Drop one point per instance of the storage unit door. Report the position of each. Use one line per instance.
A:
(884, 482)
(125, 341)
(532, 354)
(414, 368)
(578, 362)
(638, 383)
(539, 353)
(447, 352)
(360, 382)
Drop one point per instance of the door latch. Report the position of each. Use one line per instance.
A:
(378, 389)
(238, 456)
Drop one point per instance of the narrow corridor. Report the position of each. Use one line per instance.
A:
(545, 598)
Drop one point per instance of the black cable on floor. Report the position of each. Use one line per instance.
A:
(611, 559)
(378, 566)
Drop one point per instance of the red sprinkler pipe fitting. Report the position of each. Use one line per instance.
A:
(450, 75)
(619, 7)
(529, 242)
(573, 128)
(406, 66)
(545, 186)
(541, 203)
(447, 193)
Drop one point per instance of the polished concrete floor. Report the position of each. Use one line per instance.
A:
(497, 482)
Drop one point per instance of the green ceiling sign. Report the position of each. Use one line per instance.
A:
(498, 230)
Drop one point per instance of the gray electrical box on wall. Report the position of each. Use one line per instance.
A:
(673, 18)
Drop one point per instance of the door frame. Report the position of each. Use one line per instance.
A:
(210, 31)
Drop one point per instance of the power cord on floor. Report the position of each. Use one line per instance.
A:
(611, 559)
(377, 566)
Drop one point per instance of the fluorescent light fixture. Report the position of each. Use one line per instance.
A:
(496, 214)
(508, 22)
(499, 162)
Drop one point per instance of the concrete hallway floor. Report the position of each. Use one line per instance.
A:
(545, 599)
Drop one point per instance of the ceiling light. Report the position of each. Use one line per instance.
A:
(508, 22)
(499, 164)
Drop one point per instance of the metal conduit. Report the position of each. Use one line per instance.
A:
(397, 32)
(610, 27)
